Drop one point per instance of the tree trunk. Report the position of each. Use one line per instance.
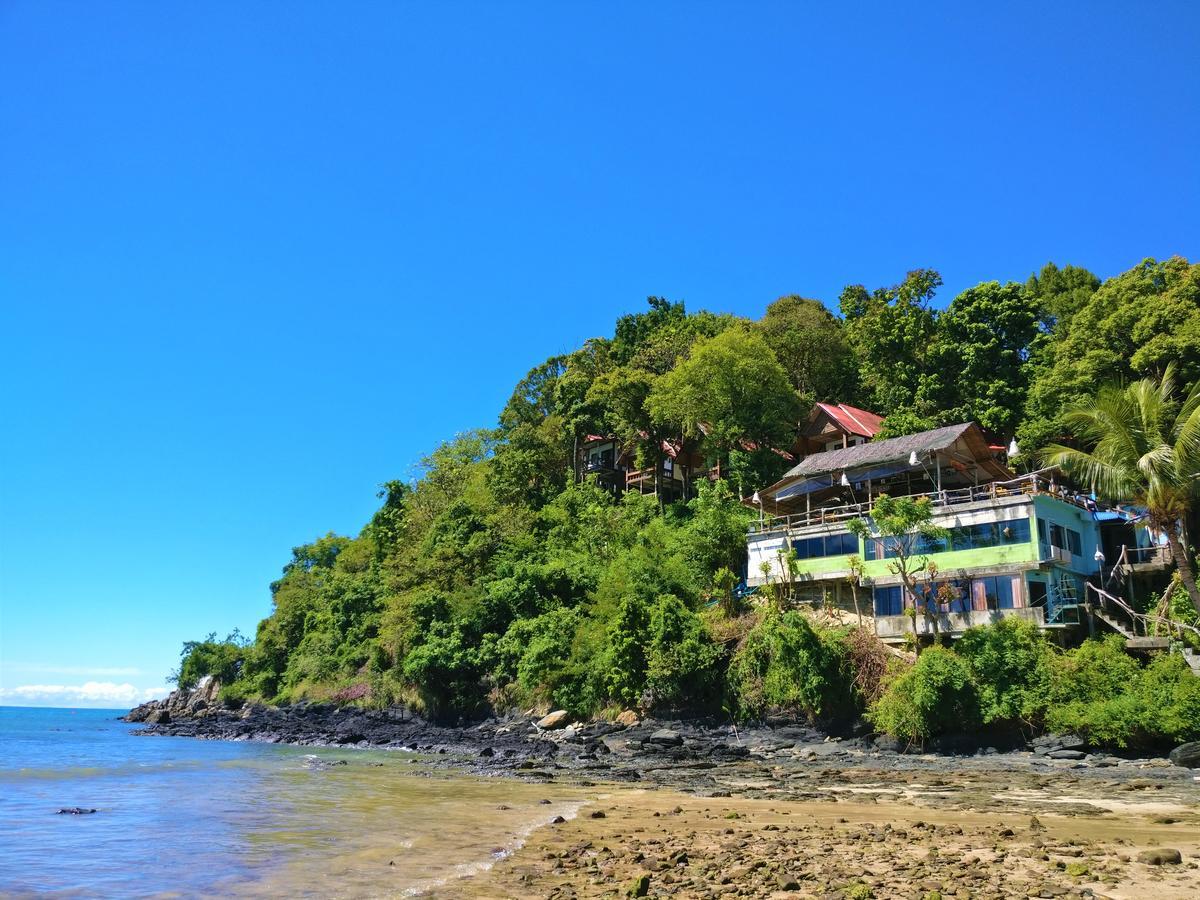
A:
(1184, 563)
(857, 611)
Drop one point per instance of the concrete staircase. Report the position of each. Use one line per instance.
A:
(1190, 657)
(1134, 641)
(1114, 623)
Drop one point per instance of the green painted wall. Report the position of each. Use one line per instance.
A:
(948, 562)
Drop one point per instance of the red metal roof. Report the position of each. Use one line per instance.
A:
(853, 420)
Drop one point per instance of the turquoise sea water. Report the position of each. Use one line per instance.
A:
(183, 817)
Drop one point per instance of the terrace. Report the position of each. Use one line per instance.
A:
(1027, 485)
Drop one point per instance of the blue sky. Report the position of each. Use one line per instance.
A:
(256, 259)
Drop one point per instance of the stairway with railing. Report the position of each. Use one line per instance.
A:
(1156, 632)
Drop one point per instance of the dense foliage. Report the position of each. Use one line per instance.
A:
(499, 577)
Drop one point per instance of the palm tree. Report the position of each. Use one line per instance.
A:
(1145, 450)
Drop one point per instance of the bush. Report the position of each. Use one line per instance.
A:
(681, 659)
(445, 671)
(936, 696)
(1101, 693)
(786, 664)
(221, 659)
(1011, 664)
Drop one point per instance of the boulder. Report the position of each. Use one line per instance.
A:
(1047, 743)
(1186, 755)
(158, 717)
(628, 718)
(1066, 754)
(665, 737)
(1160, 856)
(557, 719)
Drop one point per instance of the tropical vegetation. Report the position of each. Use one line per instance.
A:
(498, 577)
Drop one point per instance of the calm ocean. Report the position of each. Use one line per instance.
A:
(184, 817)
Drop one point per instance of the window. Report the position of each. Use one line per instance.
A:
(1058, 537)
(966, 537)
(842, 544)
(889, 601)
(944, 596)
(996, 592)
(1073, 543)
(833, 445)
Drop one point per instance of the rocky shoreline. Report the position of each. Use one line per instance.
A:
(695, 755)
(701, 808)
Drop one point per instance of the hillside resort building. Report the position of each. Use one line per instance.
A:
(1028, 546)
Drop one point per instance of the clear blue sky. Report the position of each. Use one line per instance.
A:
(256, 259)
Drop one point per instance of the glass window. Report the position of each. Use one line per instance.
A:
(1073, 543)
(1015, 532)
(888, 601)
(842, 544)
(1058, 537)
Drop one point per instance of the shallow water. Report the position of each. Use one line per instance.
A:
(183, 817)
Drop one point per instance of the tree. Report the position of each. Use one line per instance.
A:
(1131, 327)
(808, 342)
(1139, 445)
(854, 576)
(977, 366)
(890, 331)
(1061, 293)
(902, 523)
(731, 390)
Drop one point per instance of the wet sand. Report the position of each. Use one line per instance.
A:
(637, 842)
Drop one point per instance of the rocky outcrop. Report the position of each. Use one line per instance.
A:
(179, 704)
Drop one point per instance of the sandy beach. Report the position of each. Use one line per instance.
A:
(636, 842)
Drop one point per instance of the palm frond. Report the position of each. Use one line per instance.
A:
(1109, 479)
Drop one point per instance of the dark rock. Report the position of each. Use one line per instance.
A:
(665, 737)
(557, 820)
(597, 814)
(1065, 754)
(74, 811)
(158, 717)
(1046, 743)
(639, 887)
(1186, 755)
(1160, 857)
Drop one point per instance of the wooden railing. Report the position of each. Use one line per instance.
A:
(831, 515)
(1111, 604)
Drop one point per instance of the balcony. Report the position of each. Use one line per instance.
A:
(944, 500)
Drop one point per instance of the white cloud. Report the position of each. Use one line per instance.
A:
(101, 694)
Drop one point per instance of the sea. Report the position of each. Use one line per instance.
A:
(180, 817)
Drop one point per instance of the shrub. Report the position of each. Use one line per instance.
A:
(937, 695)
(1102, 694)
(1170, 697)
(785, 664)
(221, 659)
(681, 658)
(445, 671)
(1011, 663)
